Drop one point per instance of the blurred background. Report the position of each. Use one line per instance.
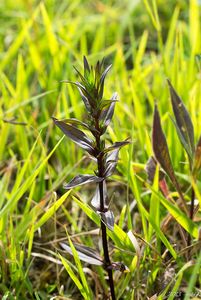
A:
(40, 42)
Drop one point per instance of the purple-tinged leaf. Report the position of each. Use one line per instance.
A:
(102, 79)
(184, 124)
(111, 162)
(117, 145)
(112, 156)
(86, 66)
(161, 152)
(82, 179)
(74, 121)
(76, 135)
(108, 219)
(77, 84)
(150, 169)
(104, 106)
(95, 202)
(85, 254)
(160, 146)
(107, 114)
(86, 97)
(85, 100)
(83, 79)
(197, 158)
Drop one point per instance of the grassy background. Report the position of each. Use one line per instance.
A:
(147, 42)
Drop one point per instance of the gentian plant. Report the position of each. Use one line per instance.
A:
(99, 116)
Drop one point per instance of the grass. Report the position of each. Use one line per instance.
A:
(146, 44)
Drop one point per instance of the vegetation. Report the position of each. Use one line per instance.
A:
(153, 225)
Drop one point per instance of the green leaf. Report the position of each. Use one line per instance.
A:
(49, 213)
(80, 270)
(179, 216)
(74, 277)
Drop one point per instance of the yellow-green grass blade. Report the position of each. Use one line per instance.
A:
(15, 197)
(80, 270)
(74, 277)
(51, 210)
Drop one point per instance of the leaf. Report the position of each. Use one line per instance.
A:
(107, 114)
(82, 179)
(118, 236)
(111, 162)
(105, 104)
(150, 169)
(80, 269)
(102, 79)
(95, 202)
(185, 145)
(75, 135)
(88, 101)
(183, 121)
(179, 215)
(161, 152)
(85, 254)
(85, 100)
(86, 66)
(116, 145)
(197, 158)
(51, 211)
(160, 146)
(74, 121)
(108, 218)
(74, 277)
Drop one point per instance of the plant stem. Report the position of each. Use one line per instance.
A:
(191, 213)
(192, 203)
(105, 247)
(107, 261)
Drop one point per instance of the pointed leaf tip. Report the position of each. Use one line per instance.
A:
(86, 65)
